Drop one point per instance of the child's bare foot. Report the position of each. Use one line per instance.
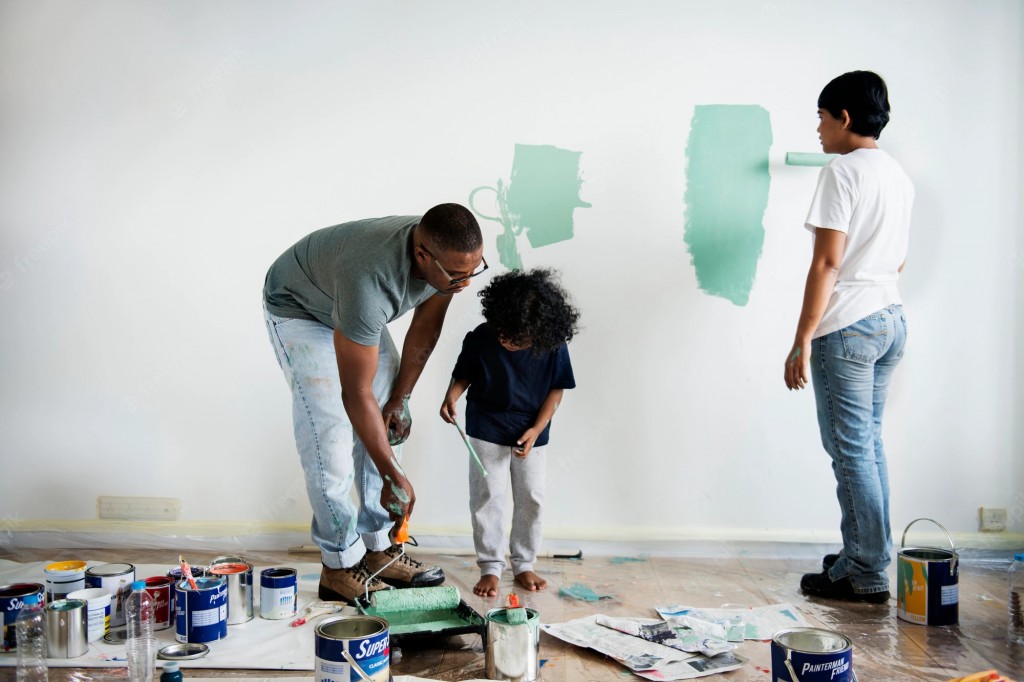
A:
(531, 581)
(487, 586)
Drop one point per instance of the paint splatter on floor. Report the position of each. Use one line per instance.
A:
(581, 592)
(727, 182)
(626, 560)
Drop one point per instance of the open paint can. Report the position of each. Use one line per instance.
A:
(928, 582)
(239, 581)
(202, 614)
(63, 578)
(67, 628)
(278, 593)
(345, 641)
(513, 651)
(812, 655)
(116, 579)
(12, 598)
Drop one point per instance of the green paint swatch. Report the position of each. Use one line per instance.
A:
(727, 183)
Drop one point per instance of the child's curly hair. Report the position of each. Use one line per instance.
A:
(530, 307)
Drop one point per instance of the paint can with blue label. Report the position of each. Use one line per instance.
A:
(928, 582)
(812, 655)
(346, 641)
(116, 579)
(278, 593)
(12, 598)
(202, 613)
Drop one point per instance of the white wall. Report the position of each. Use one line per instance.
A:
(156, 158)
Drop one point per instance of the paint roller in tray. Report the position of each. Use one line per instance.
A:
(424, 611)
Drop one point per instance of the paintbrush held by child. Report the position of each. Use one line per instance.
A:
(515, 366)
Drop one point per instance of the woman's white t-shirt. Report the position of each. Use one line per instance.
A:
(866, 194)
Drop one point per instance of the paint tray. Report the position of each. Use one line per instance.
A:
(427, 624)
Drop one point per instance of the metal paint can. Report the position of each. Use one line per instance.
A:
(11, 601)
(161, 588)
(239, 580)
(365, 639)
(197, 572)
(228, 559)
(812, 655)
(278, 593)
(201, 614)
(513, 651)
(116, 579)
(928, 582)
(97, 604)
(63, 578)
(67, 628)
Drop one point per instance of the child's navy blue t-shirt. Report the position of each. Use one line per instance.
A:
(507, 388)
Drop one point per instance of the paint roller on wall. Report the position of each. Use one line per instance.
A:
(808, 159)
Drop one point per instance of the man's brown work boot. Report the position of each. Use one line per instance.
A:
(346, 584)
(406, 572)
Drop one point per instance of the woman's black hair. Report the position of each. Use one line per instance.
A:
(530, 307)
(864, 96)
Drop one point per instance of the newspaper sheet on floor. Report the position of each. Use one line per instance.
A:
(760, 622)
(648, 660)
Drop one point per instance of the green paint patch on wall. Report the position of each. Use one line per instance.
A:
(727, 183)
(538, 200)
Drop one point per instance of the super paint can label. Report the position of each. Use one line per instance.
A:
(12, 598)
(202, 614)
(813, 654)
(367, 641)
(278, 593)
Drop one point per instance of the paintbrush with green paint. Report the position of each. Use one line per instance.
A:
(469, 446)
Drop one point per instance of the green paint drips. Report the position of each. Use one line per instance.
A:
(727, 183)
(581, 592)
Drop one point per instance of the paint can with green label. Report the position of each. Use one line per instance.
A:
(928, 582)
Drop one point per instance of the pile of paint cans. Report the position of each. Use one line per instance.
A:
(87, 603)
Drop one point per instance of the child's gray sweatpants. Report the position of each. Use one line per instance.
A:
(487, 506)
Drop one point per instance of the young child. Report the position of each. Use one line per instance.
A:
(515, 365)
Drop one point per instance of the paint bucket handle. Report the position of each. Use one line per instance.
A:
(903, 541)
(789, 667)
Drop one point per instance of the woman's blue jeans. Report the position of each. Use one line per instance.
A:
(851, 369)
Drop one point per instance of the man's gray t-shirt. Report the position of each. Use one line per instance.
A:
(354, 277)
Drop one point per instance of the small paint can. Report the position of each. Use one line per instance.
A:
(513, 650)
(97, 601)
(239, 580)
(67, 628)
(63, 578)
(928, 582)
(811, 655)
(278, 593)
(116, 579)
(197, 572)
(202, 614)
(366, 641)
(12, 598)
(161, 589)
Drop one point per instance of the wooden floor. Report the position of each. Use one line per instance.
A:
(885, 648)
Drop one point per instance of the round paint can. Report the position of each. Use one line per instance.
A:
(278, 593)
(239, 580)
(67, 628)
(116, 579)
(928, 582)
(161, 589)
(811, 655)
(11, 601)
(228, 559)
(202, 614)
(513, 651)
(63, 578)
(97, 602)
(197, 572)
(365, 639)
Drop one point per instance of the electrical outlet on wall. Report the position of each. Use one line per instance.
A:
(992, 519)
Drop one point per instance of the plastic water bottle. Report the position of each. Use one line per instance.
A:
(1015, 630)
(30, 630)
(141, 645)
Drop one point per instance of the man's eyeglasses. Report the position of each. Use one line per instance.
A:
(452, 281)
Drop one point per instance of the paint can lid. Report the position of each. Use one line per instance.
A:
(183, 652)
(116, 636)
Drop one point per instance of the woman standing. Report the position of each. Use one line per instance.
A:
(852, 330)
